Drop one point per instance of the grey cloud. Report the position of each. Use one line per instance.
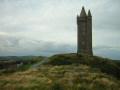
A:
(112, 53)
(107, 47)
(24, 46)
(36, 27)
(11, 46)
(107, 15)
(8, 41)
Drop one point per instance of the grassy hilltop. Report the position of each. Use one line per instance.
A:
(65, 72)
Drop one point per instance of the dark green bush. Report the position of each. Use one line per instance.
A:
(60, 60)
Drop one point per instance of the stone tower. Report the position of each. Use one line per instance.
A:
(84, 33)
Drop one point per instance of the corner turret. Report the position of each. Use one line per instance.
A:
(83, 13)
(89, 14)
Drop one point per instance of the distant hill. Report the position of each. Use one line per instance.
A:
(16, 58)
(65, 72)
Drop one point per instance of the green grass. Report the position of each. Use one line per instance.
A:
(65, 72)
(105, 65)
(62, 77)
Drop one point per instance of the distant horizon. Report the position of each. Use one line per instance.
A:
(107, 57)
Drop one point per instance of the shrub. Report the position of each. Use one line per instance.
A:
(59, 60)
(56, 86)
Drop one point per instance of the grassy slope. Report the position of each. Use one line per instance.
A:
(65, 72)
(103, 64)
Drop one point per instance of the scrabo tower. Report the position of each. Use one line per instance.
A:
(84, 33)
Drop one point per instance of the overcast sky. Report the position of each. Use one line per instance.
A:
(47, 27)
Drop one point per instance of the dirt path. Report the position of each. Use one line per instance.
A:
(35, 66)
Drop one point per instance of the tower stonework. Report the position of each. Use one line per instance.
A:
(84, 33)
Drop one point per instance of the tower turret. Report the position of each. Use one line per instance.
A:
(83, 13)
(89, 14)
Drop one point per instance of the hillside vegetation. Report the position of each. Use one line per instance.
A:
(105, 65)
(66, 72)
